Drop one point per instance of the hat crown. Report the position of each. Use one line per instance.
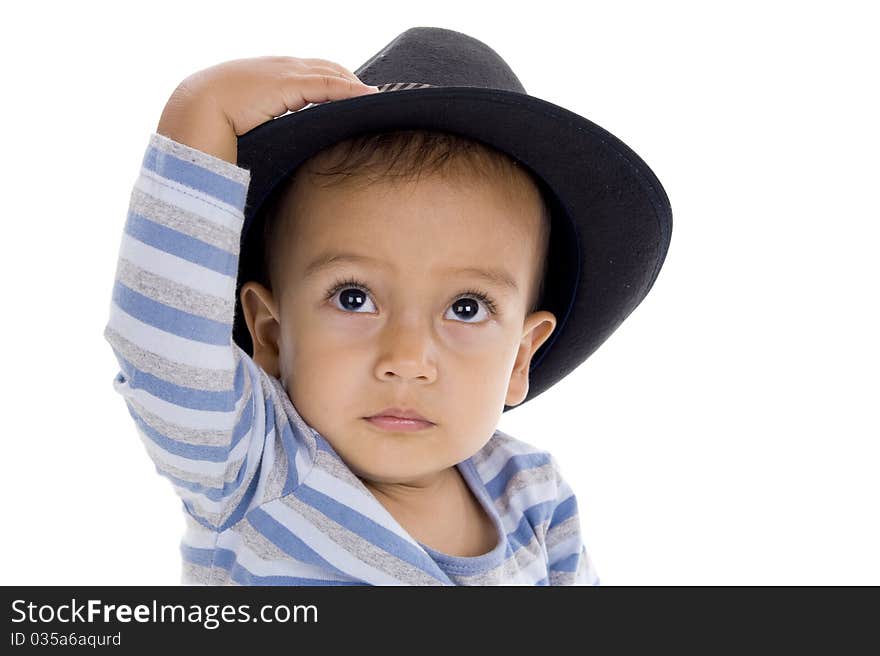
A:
(439, 57)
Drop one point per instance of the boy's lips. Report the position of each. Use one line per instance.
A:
(400, 413)
(399, 419)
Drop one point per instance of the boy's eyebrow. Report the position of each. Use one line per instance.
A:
(499, 277)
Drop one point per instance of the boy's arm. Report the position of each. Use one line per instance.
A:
(567, 560)
(187, 386)
(195, 396)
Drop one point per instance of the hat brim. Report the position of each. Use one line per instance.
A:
(612, 221)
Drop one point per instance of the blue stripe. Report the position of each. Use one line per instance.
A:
(212, 493)
(565, 509)
(171, 320)
(192, 175)
(290, 447)
(181, 245)
(539, 512)
(246, 499)
(524, 533)
(323, 445)
(281, 537)
(567, 564)
(368, 529)
(513, 465)
(195, 451)
(185, 397)
(203, 557)
(227, 560)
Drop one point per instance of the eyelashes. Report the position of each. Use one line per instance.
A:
(481, 296)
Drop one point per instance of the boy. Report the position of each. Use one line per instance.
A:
(351, 438)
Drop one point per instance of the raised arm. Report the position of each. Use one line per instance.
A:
(187, 387)
(195, 397)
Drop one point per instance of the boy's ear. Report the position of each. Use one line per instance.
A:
(264, 324)
(537, 327)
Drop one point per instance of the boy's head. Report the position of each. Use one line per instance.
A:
(409, 327)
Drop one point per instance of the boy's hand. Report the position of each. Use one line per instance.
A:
(210, 108)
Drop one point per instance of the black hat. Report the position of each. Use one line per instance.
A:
(611, 219)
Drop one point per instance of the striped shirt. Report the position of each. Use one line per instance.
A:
(267, 500)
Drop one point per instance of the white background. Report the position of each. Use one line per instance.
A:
(726, 433)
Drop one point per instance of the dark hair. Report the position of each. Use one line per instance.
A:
(400, 156)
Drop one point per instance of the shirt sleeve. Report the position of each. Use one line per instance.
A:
(193, 393)
(567, 560)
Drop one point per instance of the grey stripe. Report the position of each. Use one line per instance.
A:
(229, 474)
(360, 548)
(223, 578)
(497, 440)
(182, 434)
(213, 164)
(278, 476)
(562, 531)
(507, 570)
(174, 294)
(192, 574)
(480, 456)
(259, 543)
(213, 380)
(177, 218)
(522, 479)
(195, 435)
(504, 573)
(332, 466)
(561, 578)
(207, 481)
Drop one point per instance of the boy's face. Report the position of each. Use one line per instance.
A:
(403, 341)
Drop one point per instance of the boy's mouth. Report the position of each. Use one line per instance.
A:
(400, 413)
(399, 419)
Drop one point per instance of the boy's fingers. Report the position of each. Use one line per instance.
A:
(326, 63)
(322, 88)
(341, 87)
(327, 70)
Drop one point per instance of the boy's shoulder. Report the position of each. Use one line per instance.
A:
(505, 457)
(507, 443)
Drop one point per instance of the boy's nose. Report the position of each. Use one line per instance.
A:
(407, 351)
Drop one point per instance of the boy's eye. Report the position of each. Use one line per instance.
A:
(466, 308)
(353, 299)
